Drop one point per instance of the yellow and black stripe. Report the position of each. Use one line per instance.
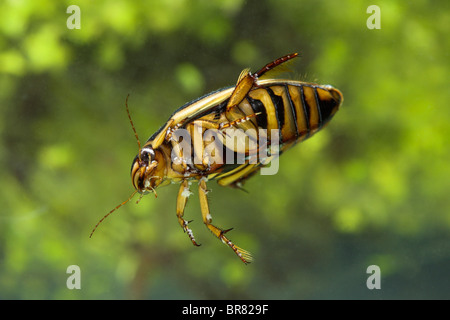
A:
(296, 109)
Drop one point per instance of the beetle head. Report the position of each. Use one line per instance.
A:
(147, 170)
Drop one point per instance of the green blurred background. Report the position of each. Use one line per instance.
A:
(370, 189)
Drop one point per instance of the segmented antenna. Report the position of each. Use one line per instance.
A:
(139, 155)
(134, 129)
(95, 228)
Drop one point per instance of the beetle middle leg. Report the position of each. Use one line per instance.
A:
(183, 195)
(245, 256)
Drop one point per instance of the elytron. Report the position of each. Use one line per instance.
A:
(256, 107)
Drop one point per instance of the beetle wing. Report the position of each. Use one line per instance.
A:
(191, 111)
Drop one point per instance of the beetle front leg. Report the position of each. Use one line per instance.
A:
(245, 256)
(183, 195)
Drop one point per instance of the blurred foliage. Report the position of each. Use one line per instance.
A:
(372, 188)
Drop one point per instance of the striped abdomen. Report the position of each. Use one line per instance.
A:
(295, 108)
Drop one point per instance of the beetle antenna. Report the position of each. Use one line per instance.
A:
(134, 129)
(140, 197)
(95, 228)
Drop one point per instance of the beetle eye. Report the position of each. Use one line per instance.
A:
(147, 154)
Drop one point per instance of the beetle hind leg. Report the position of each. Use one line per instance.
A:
(244, 255)
(248, 80)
